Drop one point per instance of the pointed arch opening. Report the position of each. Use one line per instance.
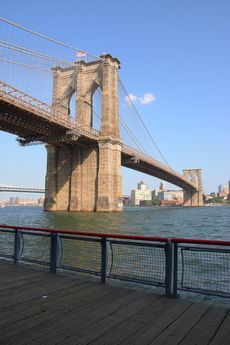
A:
(72, 106)
(96, 107)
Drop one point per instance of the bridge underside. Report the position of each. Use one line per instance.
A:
(73, 170)
(30, 127)
(193, 195)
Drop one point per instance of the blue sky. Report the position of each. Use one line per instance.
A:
(177, 51)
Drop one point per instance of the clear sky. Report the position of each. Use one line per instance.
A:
(175, 62)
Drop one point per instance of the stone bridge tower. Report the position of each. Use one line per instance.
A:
(86, 176)
(194, 198)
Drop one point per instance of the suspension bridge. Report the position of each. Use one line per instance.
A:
(47, 96)
(21, 189)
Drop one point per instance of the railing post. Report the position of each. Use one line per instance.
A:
(53, 252)
(104, 259)
(169, 269)
(17, 245)
(175, 269)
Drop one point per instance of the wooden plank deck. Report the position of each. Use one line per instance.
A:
(37, 307)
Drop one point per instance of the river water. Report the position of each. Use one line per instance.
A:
(203, 222)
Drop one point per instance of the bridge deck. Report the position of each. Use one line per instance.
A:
(37, 307)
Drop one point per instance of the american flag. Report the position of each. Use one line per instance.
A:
(80, 53)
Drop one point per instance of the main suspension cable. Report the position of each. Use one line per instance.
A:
(48, 38)
(23, 50)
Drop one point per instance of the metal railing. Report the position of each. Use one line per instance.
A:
(46, 111)
(201, 266)
(174, 264)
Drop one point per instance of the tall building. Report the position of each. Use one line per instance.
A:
(223, 191)
(220, 188)
(162, 187)
(141, 193)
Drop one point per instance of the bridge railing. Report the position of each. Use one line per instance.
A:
(45, 110)
(174, 264)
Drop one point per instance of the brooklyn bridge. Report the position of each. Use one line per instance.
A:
(83, 162)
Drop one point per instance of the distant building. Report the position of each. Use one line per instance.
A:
(140, 194)
(162, 187)
(11, 201)
(220, 188)
(223, 191)
(41, 200)
(178, 194)
(155, 193)
(163, 195)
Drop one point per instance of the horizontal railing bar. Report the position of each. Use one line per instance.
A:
(217, 293)
(90, 234)
(34, 234)
(138, 244)
(198, 241)
(80, 270)
(116, 236)
(33, 261)
(9, 231)
(204, 249)
(81, 238)
(145, 282)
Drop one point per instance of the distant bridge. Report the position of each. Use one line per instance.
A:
(31, 190)
(22, 189)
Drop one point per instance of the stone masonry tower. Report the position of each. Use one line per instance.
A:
(194, 198)
(85, 176)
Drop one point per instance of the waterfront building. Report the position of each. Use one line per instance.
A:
(220, 188)
(155, 193)
(223, 191)
(41, 200)
(165, 195)
(162, 187)
(140, 194)
(178, 194)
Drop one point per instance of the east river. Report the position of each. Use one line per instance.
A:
(203, 222)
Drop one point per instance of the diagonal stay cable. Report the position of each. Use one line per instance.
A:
(144, 126)
(128, 131)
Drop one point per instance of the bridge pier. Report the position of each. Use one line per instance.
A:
(86, 176)
(193, 197)
(84, 179)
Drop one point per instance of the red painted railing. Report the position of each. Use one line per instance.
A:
(197, 265)
(118, 236)
(90, 234)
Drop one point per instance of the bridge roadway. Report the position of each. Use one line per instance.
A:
(33, 120)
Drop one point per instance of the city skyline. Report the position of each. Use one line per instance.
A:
(176, 74)
(5, 196)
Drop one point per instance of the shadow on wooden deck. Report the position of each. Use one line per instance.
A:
(37, 307)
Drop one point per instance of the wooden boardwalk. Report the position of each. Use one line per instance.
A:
(37, 307)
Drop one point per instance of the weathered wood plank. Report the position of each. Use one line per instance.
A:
(88, 318)
(222, 335)
(156, 324)
(38, 308)
(207, 325)
(176, 331)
